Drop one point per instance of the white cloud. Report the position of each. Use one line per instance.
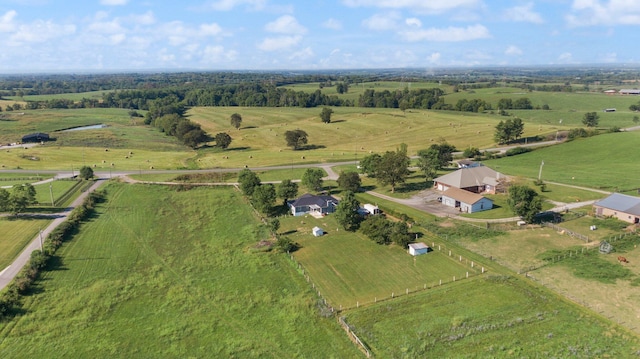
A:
(332, 24)
(513, 51)
(428, 6)
(6, 21)
(450, 34)
(413, 22)
(434, 58)
(286, 24)
(227, 5)
(381, 22)
(210, 29)
(303, 54)
(40, 31)
(565, 57)
(523, 13)
(279, 43)
(114, 2)
(218, 53)
(610, 12)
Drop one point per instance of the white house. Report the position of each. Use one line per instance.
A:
(416, 249)
(317, 231)
(467, 202)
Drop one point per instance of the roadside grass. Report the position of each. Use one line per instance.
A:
(600, 162)
(375, 273)
(58, 188)
(15, 234)
(158, 274)
(493, 316)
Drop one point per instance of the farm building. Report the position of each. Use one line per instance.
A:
(35, 137)
(317, 231)
(465, 201)
(477, 179)
(621, 206)
(629, 92)
(416, 249)
(312, 204)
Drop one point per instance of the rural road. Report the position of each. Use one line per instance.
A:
(7, 275)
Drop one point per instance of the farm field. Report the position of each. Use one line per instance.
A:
(15, 234)
(492, 317)
(379, 272)
(157, 274)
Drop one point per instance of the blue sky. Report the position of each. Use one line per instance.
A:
(116, 35)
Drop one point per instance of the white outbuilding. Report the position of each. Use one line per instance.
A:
(416, 249)
(317, 231)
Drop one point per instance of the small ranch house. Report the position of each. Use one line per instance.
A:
(416, 249)
(312, 204)
(465, 201)
(621, 206)
(477, 179)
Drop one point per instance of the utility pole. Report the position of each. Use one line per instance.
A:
(51, 194)
(540, 172)
(41, 240)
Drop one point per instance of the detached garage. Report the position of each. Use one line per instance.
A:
(467, 202)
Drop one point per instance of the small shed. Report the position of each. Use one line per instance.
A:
(416, 249)
(317, 231)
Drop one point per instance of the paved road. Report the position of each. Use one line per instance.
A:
(7, 275)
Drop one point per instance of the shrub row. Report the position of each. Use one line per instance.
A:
(10, 298)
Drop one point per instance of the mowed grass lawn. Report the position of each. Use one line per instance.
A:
(159, 273)
(15, 234)
(351, 269)
(488, 317)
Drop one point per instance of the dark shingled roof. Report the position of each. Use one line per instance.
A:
(308, 199)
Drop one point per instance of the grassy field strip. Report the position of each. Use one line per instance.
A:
(160, 273)
(15, 234)
(488, 317)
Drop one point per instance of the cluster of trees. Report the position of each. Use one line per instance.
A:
(435, 158)
(522, 103)
(524, 202)
(167, 114)
(390, 168)
(403, 99)
(263, 195)
(509, 130)
(473, 105)
(18, 199)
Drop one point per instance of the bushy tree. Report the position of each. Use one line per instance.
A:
(590, 119)
(236, 121)
(325, 114)
(4, 200)
(248, 181)
(223, 140)
(524, 202)
(509, 130)
(21, 197)
(349, 181)
(393, 168)
(274, 225)
(377, 228)
(400, 234)
(312, 178)
(296, 138)
(263, 198)
(369, 164)
(346, 213)
(287, 190)
(86, 172)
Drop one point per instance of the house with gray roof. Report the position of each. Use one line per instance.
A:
(479, 179)
(313, 204)
(621, 206)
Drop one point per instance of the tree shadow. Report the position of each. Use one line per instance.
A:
(248, 127)
(338, 121)
(238, 148)
(411, 187)
(55, 263)
(310, 147)
(292, 231)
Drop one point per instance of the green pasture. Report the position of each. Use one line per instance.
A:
(489, 317)
(15, 234)
(605, 162)
(165, 273)
(350, 269)
(58, 188)
(94, 95)
(568, 107)
(12, 179)
(355, 90)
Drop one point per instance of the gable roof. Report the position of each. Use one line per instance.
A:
(469, 177)
(308, 199)
(622, 203)
(419, 245)
(463, 196)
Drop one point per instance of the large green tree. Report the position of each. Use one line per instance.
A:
(393, 168)
(377, 228)
(312, 178)
(509, 130)
(590, 119)
(524, 202)
(248, 181)
(287, 190)
(296, 138)
(349, 181)
(21, 197)
(346, 213)
(223, 140)
(86, 172)
(325, 114)
(264, 196)
(236, 121)
(428, 163)
(4, 199)
(369, 164)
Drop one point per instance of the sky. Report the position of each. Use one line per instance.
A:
(218, 35)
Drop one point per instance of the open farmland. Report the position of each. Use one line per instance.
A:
(15, 234)
(158, 274)
(488, 317)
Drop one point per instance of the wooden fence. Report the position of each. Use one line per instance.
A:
(352, 335)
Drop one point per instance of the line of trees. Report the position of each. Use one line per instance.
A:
(167, 114)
